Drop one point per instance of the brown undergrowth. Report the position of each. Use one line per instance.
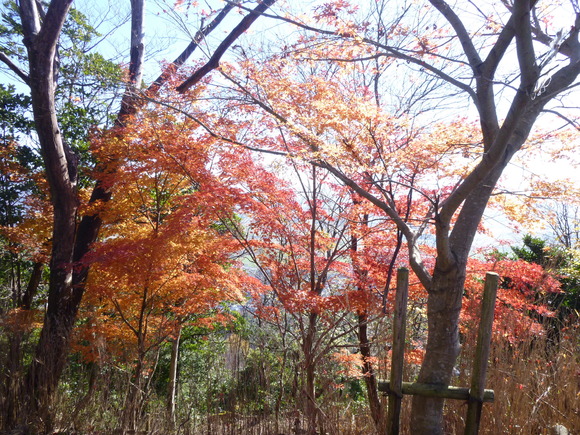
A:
(536, 385)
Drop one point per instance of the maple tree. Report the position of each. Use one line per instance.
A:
(320, 91)
(41, 30)
(321, 259)
(522, 301)
(356, 101)
(277, 236)
(163, 261)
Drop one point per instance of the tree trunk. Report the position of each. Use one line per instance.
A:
(310, 408)
(376, 408)
(443, 308)
(133, 402)
(172, 387)
(12, 376)
(61, 173)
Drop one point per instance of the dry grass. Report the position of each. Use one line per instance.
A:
(531, 395)
(535, 388)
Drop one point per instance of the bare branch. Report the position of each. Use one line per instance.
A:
(397, 54)
(238, 31)
(569, 121)
(14, 68)
(461, 31)
(182, 58)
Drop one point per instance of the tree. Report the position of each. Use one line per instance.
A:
(562, 262)
(41, 41)
(464, 161)
(42, 30)
(163, 261)
(24, 241)
(318, 253)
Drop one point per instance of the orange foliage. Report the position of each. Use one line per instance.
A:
(31, 235)
(163, 258)
(521, 299)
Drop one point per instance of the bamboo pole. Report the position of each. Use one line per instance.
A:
(398, 353)
(477, 392)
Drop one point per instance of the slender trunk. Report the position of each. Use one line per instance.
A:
(369, 377)
(94, 370)
(310, 392)
(172, 388)
(375, 405)
(32, 287)
(12, 376)
(133, 402)
(281, 380)
(310, 408)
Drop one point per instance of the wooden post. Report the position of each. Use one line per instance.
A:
(476, 392)
(398, 351)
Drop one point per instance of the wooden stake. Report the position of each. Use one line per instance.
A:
(476, 393)
(398, 353)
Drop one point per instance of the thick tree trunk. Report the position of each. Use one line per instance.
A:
(45, 371)
(444, 306)
(61, 172)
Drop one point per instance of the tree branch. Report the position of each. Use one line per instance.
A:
(49, 33)
(560, 81)
(490, 159)
(238, 31)
(529, 68)
(415, 259)
(137, 53)
(30, 20)
(569, 121)
(391, 52)
(185, 54)
(460, 31)
(14, 68)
